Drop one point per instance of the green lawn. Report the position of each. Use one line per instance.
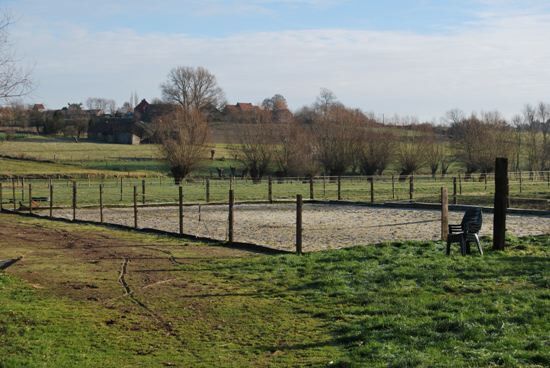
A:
(386, 305)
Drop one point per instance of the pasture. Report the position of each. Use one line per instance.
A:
(88, 296)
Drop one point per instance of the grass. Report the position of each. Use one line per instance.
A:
(387, 305)
(103, 157)
(163, 190)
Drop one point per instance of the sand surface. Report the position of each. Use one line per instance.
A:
(325, 226)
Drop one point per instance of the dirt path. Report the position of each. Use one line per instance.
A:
(95, 265)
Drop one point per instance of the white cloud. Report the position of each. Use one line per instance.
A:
(498, 62)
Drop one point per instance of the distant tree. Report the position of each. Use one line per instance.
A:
(192, 88)
(295, 155)
(336, 139)
(106, 105)
(256, 149)
(411, 154)
(375, 150)
(477, 141)
(14, 81)
(325, 100)
(183, 138)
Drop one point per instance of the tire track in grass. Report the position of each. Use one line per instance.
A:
(166, 325)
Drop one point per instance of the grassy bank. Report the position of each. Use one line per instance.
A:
(397, 305)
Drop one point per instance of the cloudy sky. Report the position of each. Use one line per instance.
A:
(418, 58)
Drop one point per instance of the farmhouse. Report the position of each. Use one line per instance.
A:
(130, 128)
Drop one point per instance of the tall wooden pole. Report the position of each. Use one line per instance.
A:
(143, 191)
(444, 214)
(101, 203)
(299, 206)
(501, 201)
(454, 190)
(135, 208)
(74, 200)
(411, 187)
(13, 193)
(270, 190)
(371, 180)
(180, 204)
(339, 188)
(30, 198)
(51, 200)
(231, 218)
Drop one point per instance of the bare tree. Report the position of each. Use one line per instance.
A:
(183, 138)
(478, 141)
(336, 138)
(256, 148)
(295, 154)
(325, 100)
(411, 154)
(14, 81)
(106, 105)
(435, 154)
(375, 150)
(192, 88)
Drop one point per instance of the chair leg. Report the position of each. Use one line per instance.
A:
(478, 244)
(463, 246)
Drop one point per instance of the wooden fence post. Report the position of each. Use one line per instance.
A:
(51, 201)
(1, 198)
(444, 214)
(311, 194)
(324, 187)
(454, 190)
(13, 193)
(135, 208)
(270, 190)
(393, 186)
(30, 198)
(22, 189)
(371, 180)
(101, 203)
(411, 187)
(520, 183)
(207, 190)
(485, 181)
(339, 188)
(231, 217)
(299, 224)
(180, 203)
(500, 204)
(143, 191)
(459, 184)
(121, 190)
(74, 200)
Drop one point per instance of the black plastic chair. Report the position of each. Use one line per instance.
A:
(466, 232)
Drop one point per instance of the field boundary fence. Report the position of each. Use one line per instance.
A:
(201, 205)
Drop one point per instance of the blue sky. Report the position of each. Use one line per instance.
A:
(394, 57)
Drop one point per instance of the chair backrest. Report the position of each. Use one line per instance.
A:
(473, 218)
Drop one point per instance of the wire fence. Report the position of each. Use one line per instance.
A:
(526, 190)
(269, 211)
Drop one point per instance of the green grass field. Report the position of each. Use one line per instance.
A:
(100, 158)
(533, 194)
(386, 305)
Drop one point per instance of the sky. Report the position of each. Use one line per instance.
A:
(412, 58)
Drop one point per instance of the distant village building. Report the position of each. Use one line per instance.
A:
(129, 128)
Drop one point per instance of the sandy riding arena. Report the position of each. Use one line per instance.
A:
(325, 226)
